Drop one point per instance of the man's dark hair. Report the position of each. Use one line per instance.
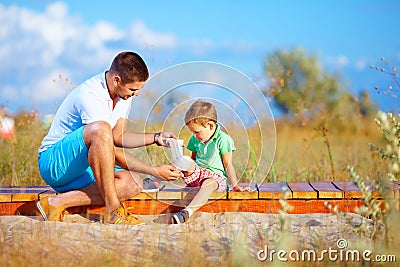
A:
(130, 67)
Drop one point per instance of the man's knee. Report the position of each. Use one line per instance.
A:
(97, 131)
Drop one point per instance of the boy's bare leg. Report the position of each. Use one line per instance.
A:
(201, 198)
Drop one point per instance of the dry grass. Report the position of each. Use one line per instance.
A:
(301, 153)
(229, 239)
(306, 153)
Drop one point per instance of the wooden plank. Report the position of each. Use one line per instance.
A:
(145, 195)
(169, 194)
(47, 193)
(273, 190)
(21, 193)
(5, 198)
(243, 195)
(375, 193)
(350, 189)
(302, 190)
(171, 191)
(271, 206)
(299, 206)
(327, 190)
(318, 205)
(25, 188)
(218, 195)
(18, 197)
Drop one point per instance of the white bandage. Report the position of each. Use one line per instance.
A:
(183, 163)
(176, 146)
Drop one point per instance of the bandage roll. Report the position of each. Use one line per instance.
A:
(176, 146)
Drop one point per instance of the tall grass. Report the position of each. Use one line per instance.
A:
(18, 155)
(301, 153)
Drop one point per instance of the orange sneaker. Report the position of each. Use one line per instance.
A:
(122, 216)
(50, 212)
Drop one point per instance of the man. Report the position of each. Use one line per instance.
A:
(82, 157)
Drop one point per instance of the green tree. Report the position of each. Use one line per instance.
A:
(299, 86)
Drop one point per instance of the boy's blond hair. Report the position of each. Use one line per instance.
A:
(201, 112)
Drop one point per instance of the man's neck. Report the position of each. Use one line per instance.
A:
(110, 87)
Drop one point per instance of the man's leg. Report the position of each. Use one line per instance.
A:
(128, 184)
(99, 141)
(98, 150)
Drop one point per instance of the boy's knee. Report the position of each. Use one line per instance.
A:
(210, 182)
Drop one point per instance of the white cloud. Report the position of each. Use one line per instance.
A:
(140, 34)
(52, 87)
(47, 31)
(107, 32)
(361, 64)
(37, 46)
(338, 62)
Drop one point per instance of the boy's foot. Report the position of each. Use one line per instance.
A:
(50, 212)
(150, 186)
(122, 216)
(180, 217)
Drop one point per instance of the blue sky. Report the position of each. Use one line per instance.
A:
(41, 39)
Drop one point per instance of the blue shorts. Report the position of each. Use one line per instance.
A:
(64, 166)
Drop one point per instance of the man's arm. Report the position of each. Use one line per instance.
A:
(126, 161)
(129, 139)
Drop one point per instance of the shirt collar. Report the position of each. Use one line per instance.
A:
(104, 84)
(105, 94)
(217, 129)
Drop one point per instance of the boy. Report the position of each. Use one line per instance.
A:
(211, 159)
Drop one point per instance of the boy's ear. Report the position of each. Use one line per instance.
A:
(212, 124)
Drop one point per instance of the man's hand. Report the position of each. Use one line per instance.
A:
(168, 172)
(162, 138)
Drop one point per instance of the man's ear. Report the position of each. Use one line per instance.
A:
(116, 80)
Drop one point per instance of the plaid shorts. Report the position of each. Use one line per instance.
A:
(201, 174)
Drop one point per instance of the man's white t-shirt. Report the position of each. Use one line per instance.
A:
(87, 103)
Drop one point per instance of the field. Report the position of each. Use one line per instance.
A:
(316, 151)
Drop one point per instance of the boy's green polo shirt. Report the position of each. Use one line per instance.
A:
(209, 155)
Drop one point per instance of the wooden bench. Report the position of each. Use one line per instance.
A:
(304, 197)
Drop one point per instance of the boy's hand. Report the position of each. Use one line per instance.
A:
(238, 188)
